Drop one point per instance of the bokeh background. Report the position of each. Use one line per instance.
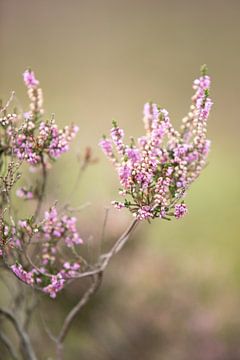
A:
(174, 291)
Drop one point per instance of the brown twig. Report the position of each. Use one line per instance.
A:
(8, 344)
(30, 308)
(42, 190)
(4, 108)
(96, 275)
(105, 258)
(28, 352)
(74, 312)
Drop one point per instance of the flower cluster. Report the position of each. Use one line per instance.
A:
(52, 234)
(24, 276)
(49, 141)
(156, 171)
(33, 139)
(24, 193)
(63, 227)
(49, 284)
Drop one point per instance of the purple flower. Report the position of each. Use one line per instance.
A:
(29, 79)
(156, 173)
(180, 210)
(56, 285)
(106, 146)
(133, 155)
(23, 275)
(144, 213)
(61, 227)
(117, 135)
(24, 193)
(124, 172)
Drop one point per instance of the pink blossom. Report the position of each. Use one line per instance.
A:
(56, 285)
(23, 275)
(29, 79)
(180, 210)
(156, 173)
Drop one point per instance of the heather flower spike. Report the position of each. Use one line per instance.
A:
(36, 140)
(155, 173)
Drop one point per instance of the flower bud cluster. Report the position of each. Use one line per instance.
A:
(155, 173)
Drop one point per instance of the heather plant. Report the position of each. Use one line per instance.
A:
(156, 170)
(43, 251)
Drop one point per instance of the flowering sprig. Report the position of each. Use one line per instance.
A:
(29, 137)
(37, 139)
(54, 233)
(156, 171)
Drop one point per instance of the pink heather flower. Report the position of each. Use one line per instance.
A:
(50, 140)
(70, 270)
(125, 175)
(35, 141)
(133, 155)
(107, 147)
(144, 213)
(29, 79)
(56, 285)
(117, 135)
(180, 210)
(150, 113)
(25, 194)
(23, 275)
(23, 224)
(156, 173)
(118, 205)
(61, 227)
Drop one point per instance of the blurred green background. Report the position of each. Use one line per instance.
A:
(174, 292)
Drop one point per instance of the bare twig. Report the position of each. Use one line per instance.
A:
(87, 160)
(47, 330)
(74, 312)
(28, 352)
(80, 208)
(104, 227)
(30, 308)
(45, 273)
(96, 275)
(105, 258)
(42, 190)
(2, 109)
(8, 344)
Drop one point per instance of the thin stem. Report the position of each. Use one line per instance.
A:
(74, 312)
(28, 352)
(42, 190)
(2, 109)
(6, 341)
(29, 312)
(104, 227)
(96, 276)
(105, 258)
